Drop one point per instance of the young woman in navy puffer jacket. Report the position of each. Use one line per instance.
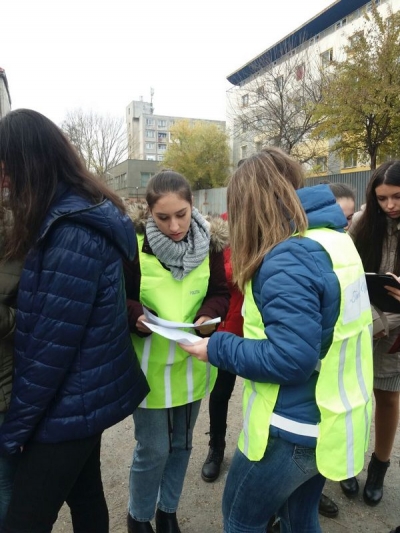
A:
(75, 370)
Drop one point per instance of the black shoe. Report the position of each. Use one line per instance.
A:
(166, 522)
(373, 490)
(397, 530)
(350, 487)
(327, 507)
(212, 465)
(134, 526)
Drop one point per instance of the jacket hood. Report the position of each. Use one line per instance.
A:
(321, 208)
(104, 217)
(219, 235)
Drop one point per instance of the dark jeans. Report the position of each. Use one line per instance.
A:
(219, 398)
(49, 475)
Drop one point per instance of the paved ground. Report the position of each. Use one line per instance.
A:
(200, 509)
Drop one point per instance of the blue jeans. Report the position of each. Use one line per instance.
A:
(285, 482)
(8, 467)
(160, 459)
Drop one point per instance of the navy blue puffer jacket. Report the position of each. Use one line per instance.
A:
(76, 373)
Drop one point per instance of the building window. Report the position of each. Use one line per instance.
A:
(150, 157)
(162, 147)
(243, 151)
(258, 146)
(162, 136)
(150, 146)
(327, 57)
(145, 177)
(245, 100)
(171, 123)
(350, 160)
(162, 123)
(149, 121)
(260, 91)
(160, 158)
(300, 72)
(321, 164)
(279, 83)
(150, 133)
(245, 127)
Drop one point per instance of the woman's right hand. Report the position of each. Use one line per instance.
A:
(140, 326)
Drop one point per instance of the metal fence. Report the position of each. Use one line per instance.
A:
(357, 180)
(213, 201)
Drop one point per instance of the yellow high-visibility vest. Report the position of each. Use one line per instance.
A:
(344, 385)
(175, 378)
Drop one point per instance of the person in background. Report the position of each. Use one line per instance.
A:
(76, 373)
(222, 391)
(376, 234)
(302, 326)
(346, 198)
(178, 274)
(9, 278)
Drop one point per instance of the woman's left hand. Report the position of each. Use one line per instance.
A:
(198, 350)
(204, 330)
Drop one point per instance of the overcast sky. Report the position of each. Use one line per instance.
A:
(101, 55)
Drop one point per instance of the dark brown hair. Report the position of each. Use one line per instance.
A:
(36, 157)
(166, 182)
(370, 232)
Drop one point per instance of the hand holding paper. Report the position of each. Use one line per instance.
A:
(198, 350)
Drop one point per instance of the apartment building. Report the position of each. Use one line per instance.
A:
(5, 98)
(292, 64)
(149, 134)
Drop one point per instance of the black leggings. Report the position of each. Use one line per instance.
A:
(219, 398)
(49, 475)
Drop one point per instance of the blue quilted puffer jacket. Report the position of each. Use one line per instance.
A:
(298, 295)
(76, 373)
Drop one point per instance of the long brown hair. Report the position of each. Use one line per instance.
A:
(36, 156)
(263, 209)
(370, 232)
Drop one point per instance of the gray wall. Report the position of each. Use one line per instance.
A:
(213, 201)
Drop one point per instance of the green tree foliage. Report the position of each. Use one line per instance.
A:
(360, 110)
(200, 152)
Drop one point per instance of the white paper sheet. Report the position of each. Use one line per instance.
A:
(176, 335)
(153, 319)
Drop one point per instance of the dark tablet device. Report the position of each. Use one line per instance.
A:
(378, 295)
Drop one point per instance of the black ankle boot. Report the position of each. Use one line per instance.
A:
(373, 490)
(134, 526)
(327, 507)
(350, 487)
(212, 464)
(166, 522)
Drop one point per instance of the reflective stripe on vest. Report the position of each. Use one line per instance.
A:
(175, 378)
(344, 402)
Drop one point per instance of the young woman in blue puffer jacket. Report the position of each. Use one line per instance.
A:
(76, 373)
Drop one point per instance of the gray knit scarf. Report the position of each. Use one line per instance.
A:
(183, 256)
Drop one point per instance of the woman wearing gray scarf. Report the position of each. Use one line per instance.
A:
(179, 275)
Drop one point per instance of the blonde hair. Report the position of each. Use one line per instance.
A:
(263, 208)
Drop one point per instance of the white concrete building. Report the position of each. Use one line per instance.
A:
(5, 99)
(304, 52)
(149, 134)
